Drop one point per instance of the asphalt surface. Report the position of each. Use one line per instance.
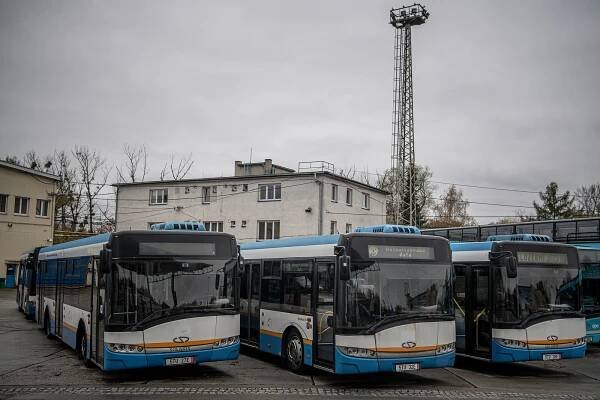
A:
(34, 367)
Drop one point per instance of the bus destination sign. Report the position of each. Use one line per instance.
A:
(536, 257)
(401, 252)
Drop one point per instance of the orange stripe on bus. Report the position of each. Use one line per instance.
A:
(562, 341)
(158, 345)
(271, 333)
(404, 350)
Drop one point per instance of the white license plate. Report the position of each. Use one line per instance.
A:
(548, 357)
(180, 361)
(407, 367)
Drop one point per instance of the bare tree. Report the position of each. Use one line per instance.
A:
(93, 175)
(135, 167)
(424, 190)
(178, 169)
(587, 199)
(451, 210)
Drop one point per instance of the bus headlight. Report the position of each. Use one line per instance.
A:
(445, 348)
(512, 343)
(226, 341)
(357, 352)
(581, 340)
(125, 348)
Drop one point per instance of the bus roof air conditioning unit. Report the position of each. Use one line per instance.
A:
(387, 228)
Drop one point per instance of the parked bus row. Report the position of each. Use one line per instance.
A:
(380, 299)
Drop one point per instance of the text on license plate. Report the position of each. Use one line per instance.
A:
(547, 357)
(407, 367)
(180, 361)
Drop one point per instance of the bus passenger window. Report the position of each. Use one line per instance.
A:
(297, 292)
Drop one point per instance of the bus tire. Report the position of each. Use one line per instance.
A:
(82, 344)
(293, 351)
(47, 328)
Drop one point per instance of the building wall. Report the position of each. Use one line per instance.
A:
(20, 233)
(297, 211)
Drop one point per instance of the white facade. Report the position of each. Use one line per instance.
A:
(306, 204)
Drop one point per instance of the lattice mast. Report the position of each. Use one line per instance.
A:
(403, 127)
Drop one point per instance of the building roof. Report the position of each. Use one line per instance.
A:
(254, 177)
(29, 170)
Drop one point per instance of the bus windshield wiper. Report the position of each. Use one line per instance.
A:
(153, 315)
(402, 317)
(542, 314)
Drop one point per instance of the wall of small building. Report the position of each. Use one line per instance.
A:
(19, 233)
(297, 211)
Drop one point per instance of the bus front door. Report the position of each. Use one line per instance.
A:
(250, 312)
(97, 325)
(59, 297)
(323, 341)
(478, 311)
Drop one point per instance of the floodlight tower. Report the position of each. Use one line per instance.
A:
(403, 127)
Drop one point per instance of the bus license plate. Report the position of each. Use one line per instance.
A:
(180, 361)
(548, 357)
(407, 367)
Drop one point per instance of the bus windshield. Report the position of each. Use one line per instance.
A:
(544, 289)
(143, 291)
(379, 290)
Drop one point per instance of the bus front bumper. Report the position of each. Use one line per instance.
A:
(114, 361)
(361, 365)
(502, 353)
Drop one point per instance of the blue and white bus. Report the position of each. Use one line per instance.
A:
(362, 302)
(178, 225)
(517, 298)
(139, 299)
(25, 282)
(589, 258)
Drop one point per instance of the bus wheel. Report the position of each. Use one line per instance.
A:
(82, 349)
(294, 352)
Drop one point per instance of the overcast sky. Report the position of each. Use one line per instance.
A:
(506, 93)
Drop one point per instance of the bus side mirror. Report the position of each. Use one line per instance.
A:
(344, 268)
(105, 257)
(330, 321)
(217, 281)
(511, 267)
(507, 261)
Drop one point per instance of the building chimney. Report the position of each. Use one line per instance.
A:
(268, 166)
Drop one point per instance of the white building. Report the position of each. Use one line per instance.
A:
(261, 201)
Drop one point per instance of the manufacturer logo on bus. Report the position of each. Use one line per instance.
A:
(408, 345)
(552, 338)
(181, 339)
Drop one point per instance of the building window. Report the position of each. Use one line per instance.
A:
(233, 224)
(349, 197)
(206, 194)
(41, 208)
(213, 226)
(3, 202)
(268, 230)
(21, 205)
(214, 189)
(348, 228)
(333, 229)
(159, 196)
(334, 193)
(269, 192)
(366, 201)
(243, 223)
(245, 187)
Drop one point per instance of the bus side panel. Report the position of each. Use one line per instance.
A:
(275, 323)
